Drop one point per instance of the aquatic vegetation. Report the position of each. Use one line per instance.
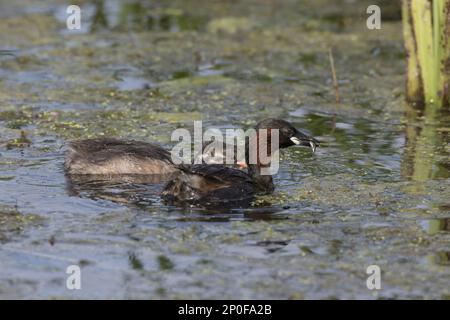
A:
(426, 27)
(21, 142)
(165, 263)
(12, 222)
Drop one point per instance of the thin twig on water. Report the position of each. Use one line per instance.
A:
(335, 81)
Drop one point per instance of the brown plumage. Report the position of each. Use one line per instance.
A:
(199, 185)
(107, 156)
(210, 185)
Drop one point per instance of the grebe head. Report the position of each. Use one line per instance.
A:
(288, 134)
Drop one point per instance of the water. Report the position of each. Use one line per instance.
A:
(375, 192)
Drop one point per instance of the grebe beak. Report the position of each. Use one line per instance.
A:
(303, 139)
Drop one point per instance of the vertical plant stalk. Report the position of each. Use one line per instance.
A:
(440, 12)
(335, 81)
(426, 29)
(423, 27)
(438, 6)
(445, 59)
(414, 82)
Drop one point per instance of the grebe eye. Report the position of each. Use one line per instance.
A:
(287, 132)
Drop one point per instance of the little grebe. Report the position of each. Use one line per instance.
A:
(218, 185)
(204, 184)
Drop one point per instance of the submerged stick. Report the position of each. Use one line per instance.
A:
(335, 81)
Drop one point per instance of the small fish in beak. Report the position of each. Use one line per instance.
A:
(304, 140)
(313, 146)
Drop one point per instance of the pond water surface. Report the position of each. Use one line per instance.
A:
(375, 193)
